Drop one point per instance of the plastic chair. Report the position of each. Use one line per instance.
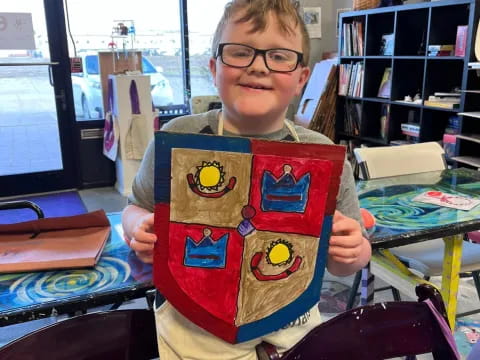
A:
(380, 331)
(23, 204)
(427, 256)
(385, 161)
(117, 334)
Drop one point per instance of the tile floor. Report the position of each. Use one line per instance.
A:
(111, 201)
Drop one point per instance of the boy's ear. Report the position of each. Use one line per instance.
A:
(304, 75)
(212, 64)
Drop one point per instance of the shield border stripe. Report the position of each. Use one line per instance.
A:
(311, 296)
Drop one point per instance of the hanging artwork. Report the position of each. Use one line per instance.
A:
(242, 230)
(111, 131)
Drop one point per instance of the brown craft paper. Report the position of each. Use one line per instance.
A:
(62, 242)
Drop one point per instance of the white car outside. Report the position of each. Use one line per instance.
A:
(87, 89)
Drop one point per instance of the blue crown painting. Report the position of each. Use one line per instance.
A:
(286, 193)
(208, 253)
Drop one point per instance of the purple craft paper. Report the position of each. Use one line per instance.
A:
(134, 100)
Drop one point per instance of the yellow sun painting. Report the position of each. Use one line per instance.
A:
(209, 175)
(279, 253)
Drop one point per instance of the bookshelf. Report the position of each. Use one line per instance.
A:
(415, 28)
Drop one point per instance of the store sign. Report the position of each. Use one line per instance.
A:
(16, 31)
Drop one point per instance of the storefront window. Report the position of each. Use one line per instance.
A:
(200, 41)
(152, 27)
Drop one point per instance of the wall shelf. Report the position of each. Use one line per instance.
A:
(468, 160)
(413, 27)
(470, 137)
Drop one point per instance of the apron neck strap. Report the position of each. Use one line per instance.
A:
(287, 124)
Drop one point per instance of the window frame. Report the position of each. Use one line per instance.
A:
(167, 113)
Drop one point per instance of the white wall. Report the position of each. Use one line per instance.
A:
(329, 41)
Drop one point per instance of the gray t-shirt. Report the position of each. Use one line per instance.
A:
(207, 123)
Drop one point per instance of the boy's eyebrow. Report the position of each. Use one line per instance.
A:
(259, 22)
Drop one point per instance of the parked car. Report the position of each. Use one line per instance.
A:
(87, 88)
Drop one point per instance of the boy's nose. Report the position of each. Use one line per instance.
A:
(258, 64)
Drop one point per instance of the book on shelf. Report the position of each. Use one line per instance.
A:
(441, 50)
(351, 79)
(386, 84)
(386, 45)
(352, 39)
(359, 25)
(449, 101)
(384, 120)
(343, 79)
(442, 104)
(461, 41)
(351, 146)
(410, 129)
(353, 117)
(474, 65)
(453, 125)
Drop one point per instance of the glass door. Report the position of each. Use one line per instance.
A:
(36, 145)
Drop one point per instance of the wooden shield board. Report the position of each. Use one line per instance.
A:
(243, 228)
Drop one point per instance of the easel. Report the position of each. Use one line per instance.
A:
(117, 62)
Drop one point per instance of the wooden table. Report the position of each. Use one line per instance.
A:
(117, 277)
(401, 221)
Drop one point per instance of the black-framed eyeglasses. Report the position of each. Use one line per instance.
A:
(242, 56)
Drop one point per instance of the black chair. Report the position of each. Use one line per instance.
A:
(380, 331)
(117, 334)
(23, 204)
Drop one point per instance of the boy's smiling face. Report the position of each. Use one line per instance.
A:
(256, 97)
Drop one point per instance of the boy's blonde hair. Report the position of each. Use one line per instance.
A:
(257, 11)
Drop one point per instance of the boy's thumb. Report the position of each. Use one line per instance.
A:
(337, 216)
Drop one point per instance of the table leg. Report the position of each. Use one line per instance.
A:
(451, 274)
(367, 288)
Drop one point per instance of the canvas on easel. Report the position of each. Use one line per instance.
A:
(243, 228)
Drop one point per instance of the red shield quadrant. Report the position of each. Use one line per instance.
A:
(239, 251)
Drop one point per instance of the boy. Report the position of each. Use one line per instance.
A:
(259, 64)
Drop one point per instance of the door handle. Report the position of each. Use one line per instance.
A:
(61, 98)
(50, 75)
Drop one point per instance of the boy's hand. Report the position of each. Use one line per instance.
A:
(143, 238)
(346, 241)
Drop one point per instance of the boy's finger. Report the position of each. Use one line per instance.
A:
(344, 252)
(141, 246)
(347, 231)
(345, 241)
(343, 260)
(345, 226)
(145, 237)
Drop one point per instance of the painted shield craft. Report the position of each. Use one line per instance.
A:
(243, 228)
